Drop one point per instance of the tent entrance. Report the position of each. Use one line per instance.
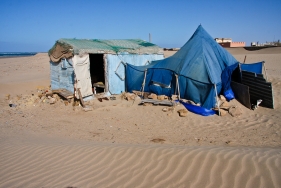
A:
(97, 73)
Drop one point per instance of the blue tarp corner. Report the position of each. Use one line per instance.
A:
(198, 109)
(254, 67)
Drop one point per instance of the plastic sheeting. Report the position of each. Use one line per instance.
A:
(115, 74)
(70, 47)
(199, 64)
(254, 67)
(198, 110)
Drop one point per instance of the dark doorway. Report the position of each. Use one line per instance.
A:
(97, 72)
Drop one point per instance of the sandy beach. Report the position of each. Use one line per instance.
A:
(123, 144)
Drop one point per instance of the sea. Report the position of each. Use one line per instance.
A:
(16, 54)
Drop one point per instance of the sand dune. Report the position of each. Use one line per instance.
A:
(82, 164)
(122, 144)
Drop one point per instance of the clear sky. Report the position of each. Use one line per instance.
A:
(35, 25)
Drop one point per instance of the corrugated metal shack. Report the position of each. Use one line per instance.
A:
(97, 66)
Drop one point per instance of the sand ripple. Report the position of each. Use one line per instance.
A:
(62, 164)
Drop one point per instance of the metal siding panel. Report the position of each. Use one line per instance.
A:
(54, 75)
(259, 88)
(241, 93)
(62, 77)
(55, 85)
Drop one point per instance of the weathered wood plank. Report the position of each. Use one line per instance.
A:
(64, 93)
(157, 102)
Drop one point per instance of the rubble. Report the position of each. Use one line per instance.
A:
(223, 112)
(235, 111)
(183, 112)
(7, 97)
(166, 109)
(152, 96)
(128, 96)
(162, 97)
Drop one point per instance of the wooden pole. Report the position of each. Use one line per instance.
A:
(217, 99)
(106, 87)
(143, 83)
(80, 97)
(263, 63)
(178, 86)
(245, 59)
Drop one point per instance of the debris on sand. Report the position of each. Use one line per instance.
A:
(183, 112)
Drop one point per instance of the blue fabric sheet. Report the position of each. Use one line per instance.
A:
(198, 109)
(226, 81)
(254, 67)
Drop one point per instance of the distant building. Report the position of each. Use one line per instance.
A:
(223, 40)
(264, 44)
(227, 42)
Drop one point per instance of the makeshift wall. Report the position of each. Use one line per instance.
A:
(116, 82)
(62, 75)
(81, 66)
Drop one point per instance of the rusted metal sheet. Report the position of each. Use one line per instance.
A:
(241, 93)
(259, 88)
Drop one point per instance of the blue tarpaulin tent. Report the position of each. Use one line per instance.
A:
(198, 64)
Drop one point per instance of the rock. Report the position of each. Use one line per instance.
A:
(175, 97)
(49, 93)
(145, 95)
(225, 104)
(182, 112)
(43, 97)
(190, 102)
(147, 104)
(52, 100)
(137, 92)
(19, 97)
(128, 96)
(112, 98)
(76, 103)
(193, 103)
(40, 95)
(137, 98)
(7, 97)
(161, 97)
(235, 111)
(165, 109)
(56, 96)
(40, 88)
(222, 98)
(87, 108)
(223, 112)
(152, 96)
(13, 105)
